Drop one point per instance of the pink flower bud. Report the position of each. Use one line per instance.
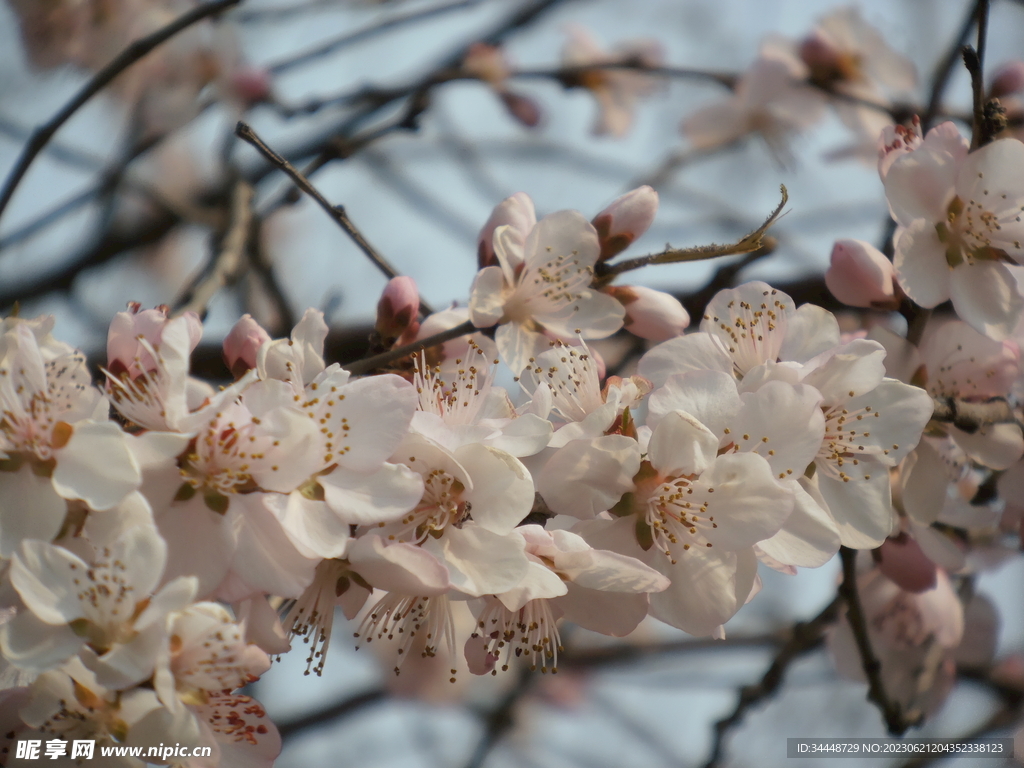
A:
(625, 220)
(398, 309)
(486, 62)
(126, 351)
(1008, 79)
(242, 344)
(250, 85)
(522, 108)
(861, 276)
(650, 314)
(818, 50)
(517, 212)
(902, 561)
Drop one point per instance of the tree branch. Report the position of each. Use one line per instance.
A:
(806, 636)
(378, 361)
(42, 135)
(336, 212)
(230, 263)
(605, 273)
(895, 719)
(346, 706)
(972, 416)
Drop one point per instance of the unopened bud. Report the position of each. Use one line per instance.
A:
(517, 212)
(626, 219)
(861, 276)
(903, 562)
(486, 62)
(650, 314)
(1008, 79)
(251, 85)
(133, 331)
(398, 309)
(242, 344)
(524, 109)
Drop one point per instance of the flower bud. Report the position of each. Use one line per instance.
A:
(625, 220)
(650, 314)
(1008, 79)
(250, 85)
(487, 62)
(242, 344)
(861, 276)
(132, 331)
(903, 561)
(515, 211)
(524, 109)
(398, 309)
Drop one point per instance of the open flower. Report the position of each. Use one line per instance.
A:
(543, 285)
(959, 218)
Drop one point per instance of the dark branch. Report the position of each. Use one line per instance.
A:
(42, 135)
(336, 212)
(378, 361)
(342, 708)
(806, 637)
(896, 720)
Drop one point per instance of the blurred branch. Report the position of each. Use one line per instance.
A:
(286, 11)
(896, 720)
(629, 653)
(805, 637)
(336, 212)
(499, 720)
(342, 708)
(377, 361)
(944, 70)
(972, 416)
(605, 273)
(336, 44)
(42, 135)
(230, 263)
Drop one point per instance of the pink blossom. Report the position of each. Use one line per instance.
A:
(650, 314)
(242, 344)
(624, 220)
(134, 333)
(902, 560)
(861, 276)
(398, 309)
(1007, 80)
(517, 212)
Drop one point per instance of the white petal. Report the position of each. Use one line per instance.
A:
(265, 559)
(562, 233)
(487, 298)
(782, 423)
(517, 345)
(920, 184)
(29, 509)
(986, 296)
(31, 644)
(924, 484)
(809, 537)
(377, 411)
(902, 413)
(611, 613)
(200, 543)
(314, 529)
(586, 477)
(366, 499)
(997, 446)
(96, 465)
(540, 583)
(747, 505)
(502, 492)
(681, 445)
(708, 587)
(398, 567)
(809, 331)
(693, 352)
(920, 263)
(594, 315)
(847, 371)
(861, 508)
(45, 575)
(480, 562)
(709, 396)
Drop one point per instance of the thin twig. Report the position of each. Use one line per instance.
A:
(895, 719)
(230, 263)
(336, 44)
(605, 273)
(806, 637)
(498, 721)
(971, 416)
(945, 68)
(42, 135)
(336, 212)
(368, 364)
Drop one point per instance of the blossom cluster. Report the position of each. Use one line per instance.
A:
(161, 539)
